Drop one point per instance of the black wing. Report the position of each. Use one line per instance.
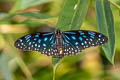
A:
(41, 42)
(77, 40)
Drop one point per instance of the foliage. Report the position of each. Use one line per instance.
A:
(28, 16)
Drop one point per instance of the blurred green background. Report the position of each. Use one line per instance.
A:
(20, 17)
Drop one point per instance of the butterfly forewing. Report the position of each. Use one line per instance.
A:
(77, 40)
(37, 42)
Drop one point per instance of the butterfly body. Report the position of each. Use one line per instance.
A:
(60, 44)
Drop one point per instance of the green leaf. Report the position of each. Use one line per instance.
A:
(23, 4)
(4, 68)
(106, 26)
(65, 17)
(73, 14)
(19, 61)
(80, 13)
(35, 15)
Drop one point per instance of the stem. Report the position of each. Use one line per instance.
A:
(114, 4)
(55, 68)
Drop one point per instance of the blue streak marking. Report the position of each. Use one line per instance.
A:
(51, 38)
(70, 32)
(46, 34)
(91, 33)
(92, 37)
(67, 37)
(73, 37)
(27, 37)
(63, 42)
(52, 41)
(28, 40)
(36, 35)
(67, 41)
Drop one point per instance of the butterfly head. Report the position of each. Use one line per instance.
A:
(58, 32)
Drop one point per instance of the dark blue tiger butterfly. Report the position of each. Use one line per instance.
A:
(60, 44)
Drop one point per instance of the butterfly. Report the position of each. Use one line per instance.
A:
(60, 44)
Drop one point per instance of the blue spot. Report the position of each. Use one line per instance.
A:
(73, 37)
(80, 38)
(35, 38)
(39, 40)
(76, 43)
(87, 39)
(36, 35)
(84, 36)
(45, 39)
